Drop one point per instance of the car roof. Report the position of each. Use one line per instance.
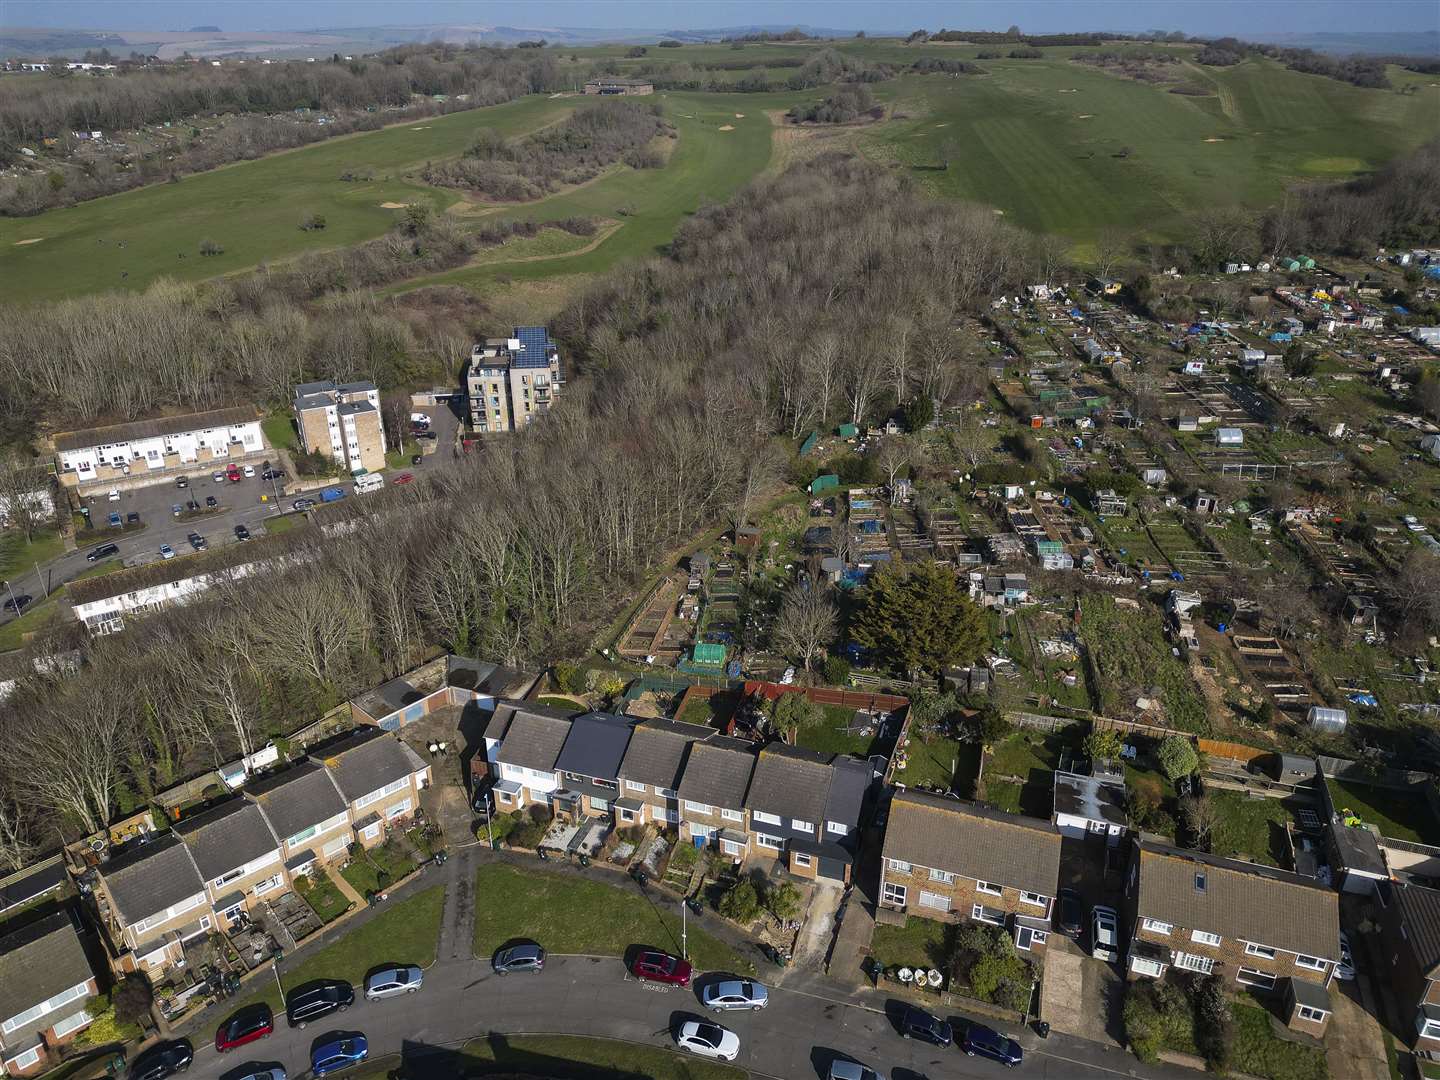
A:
(847, 1070)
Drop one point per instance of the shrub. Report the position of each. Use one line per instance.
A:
(312, 223)
(740, 903)
(1177, 756)
(132, 998)
(1141, 1020)
(783, 901)
(210, 247)
(540, 814)
(835, 670)
(570, 678)
(1105, 744)
(1214, 1024)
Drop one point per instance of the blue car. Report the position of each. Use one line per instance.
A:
(981, 1041)
(338, 1053)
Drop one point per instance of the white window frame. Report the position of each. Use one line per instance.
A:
(900, 866)
(1255, 977)
(626, 814)
(1314, 963)
(766, 819)
(375, 796)
(269, 884)
(1026, 937)
(72, 1023)
(801, 858)
(1155, 926)
(633, 786)
(1263, 951)
(1205, 937)
(1429, 1029)
(369, 832)
(28, 1058)
(802, 826)
(44, 1008)
(733, 815)
(1192, 962)
(765, 840)
(934, 901)
(988, 889)
(666, 793)
(731, 847)
(1315, 1016)
(980, 913)
(839, 828)
(893, 893)
(398, 810)
(1034, 899)
(1143, 965)
(943, 876)
(697, 807)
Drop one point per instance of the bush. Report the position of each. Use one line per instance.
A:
(1214, 1024)
(1105, 744)
(783, 901)
(312, 223)
(570, 678)
(984, 958)
(132, 999)
(540, 814)
(835, 670)
(210, 247)
(1177, 756)
(740, 903)
(1141, 1021)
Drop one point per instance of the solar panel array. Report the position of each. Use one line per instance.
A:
(534, 347)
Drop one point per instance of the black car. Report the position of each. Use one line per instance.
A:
(17, 603)
(317, 999)
(163, 1059)
(272, 474)
(1072, 914)
(918, 1024)
(132, 518)
(197, 541)
(211, 501)
(182, 481)
(981, 1041)
(425, 435)
(242, 533)
(522, 956)
(104, 551)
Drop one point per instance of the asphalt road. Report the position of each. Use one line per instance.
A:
(796, 1038)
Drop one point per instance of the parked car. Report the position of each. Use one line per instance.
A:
(114, 520)
(652, 965)
(315, 999)
(338, 1053)
(1104, 934)
(218, 477)
(166, 551)
(845, 1069)
(302, 504)
(272, 1072)
(246, 1026)
(18, 603)
(425, 435)
(707, 1039)
(272, 474)
(182, 481)
(522, 956)
(731, 994)
(132, 518)
(113, 495)
(1345, 970)
(416, 459)
(1071, 914)
(390, 981)
(176, 510)
(162, 1060)
(232, 473)
(242, 533)
(403, 478)
(981, 1041)
(919, 1024)
(211, 502)
(198, 542)
(248, 470)
(104, 551)
(332, 494)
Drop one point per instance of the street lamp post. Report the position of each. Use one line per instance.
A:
(13, 606)
(684, 931)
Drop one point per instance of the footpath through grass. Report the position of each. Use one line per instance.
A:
(556, 1057)
(570, 914)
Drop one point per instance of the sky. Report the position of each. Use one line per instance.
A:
(1204, 17)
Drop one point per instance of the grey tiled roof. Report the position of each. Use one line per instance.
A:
(151, 878)
(717, 775)
(297, 798)
(227, 836)
(367, 760)
(1240, 900)
(1420, 915)
(790, 781)
(533, 740)
(38, 962)
(974, 841)
(848, 782)
(657, 752)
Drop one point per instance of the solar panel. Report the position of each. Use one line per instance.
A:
(534, 346)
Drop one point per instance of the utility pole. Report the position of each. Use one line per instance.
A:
(45, 589)
(275, 969)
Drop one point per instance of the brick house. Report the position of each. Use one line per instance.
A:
(1410, 945)
(712, 794)
(380, 777)
(588, 765)
(307, 812)
(45, 978)
(237, 853)
(1266, 929)
(950, 860)
(152, 899)
(651, 770)
(792, 815)
(522, 743)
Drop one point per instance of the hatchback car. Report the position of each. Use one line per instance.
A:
(247, 1025)
(919, 1024)
(182, 481)
(1104, 934)
(316, 999)
(132, 518)
(248, 470)
(166, 551)
(272, 474)
(242, 533)
(522, 956)
(113, 495)
(115, 519)
(652, 965)
(163, 1059)
(1345, 970)
(232, 473)
(1071, 917)
(211, 502)
(176, 510)
(338, 1053)
(981, 1041)
(104, 551)
(18, 602)
(707, 1039)
(198, 542)
(851, 1070)
(218, 477)
(732, 994)
(387, 982)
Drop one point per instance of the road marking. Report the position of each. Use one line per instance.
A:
(1083, 1064)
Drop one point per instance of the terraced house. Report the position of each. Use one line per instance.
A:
(651, 770)
(237, 853)
(588, 766)
(151, 900)
(307, 812)
(1410, 955)
(712, 795)
(950, 860)
(1266, 929)
(379, 776)
(803, 807)
(522, 743)
(45, 978)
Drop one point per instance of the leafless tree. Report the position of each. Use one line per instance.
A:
(808, 620)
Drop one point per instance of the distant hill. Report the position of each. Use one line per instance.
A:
(1426, 44)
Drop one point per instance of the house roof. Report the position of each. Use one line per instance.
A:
(39, 961)
(535, 347)
(595, 745)
(790, 781)
(1094, 798)
(297, 798)
(718, 773)
(848, 783)
(149, 429)
(485, 677)
(1240, 900)
(227, 836)
(367, 760)
(31, 882)
(533, 739)
(151, 877)
(657, 750)
(974, 841)
(1420, 915)
(389, 698)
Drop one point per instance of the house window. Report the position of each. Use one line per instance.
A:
(802, 826)
(900, 866)
(397, 810)
(731, 847)
(627, 815)
(205, 922)
(838, 828)
(1034, 898)
(764, 818)
(600, 805)
(1315, 1016)
(665, 792)
(370, 831)
(672, 816)
(1155, 926)
(25, 1060)
(942, 876)
(893, 894)
(1314, 963)
(1429, 1029)
(733, 815)
(266, 885)
(800, 858)
(767, 841)
(981, 913)
(226, 878)
(1027, 937)
(1204, 937)
(1264, 951)
(633, 786)
(1191, 962)
(1142, 966)
(71, 1023)
(987, 888)
(1251, 977)
(696, 807)
(934, 900)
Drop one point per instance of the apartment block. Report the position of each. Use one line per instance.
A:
(45, 977)
(952, 861)
(512, 380)
(343, 422)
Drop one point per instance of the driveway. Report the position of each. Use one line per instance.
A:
(1080, 995)
(1354, 1044)
(819, 927)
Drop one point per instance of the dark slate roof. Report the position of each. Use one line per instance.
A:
(151, 877)
(1091, 797)
(227, 836)
(657, 752)
(149, 429)
(38, 962)
(717, 773)
(596, 745)
(974, 841)
(485, 677)
(848, 785)
(297, 798)
(367, 760)
(31, 882)
(1420, 915)
(1240, 900)
(1311, 993)
(533, 739)
(791, 781)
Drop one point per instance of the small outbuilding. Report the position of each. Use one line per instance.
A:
(1332, 721)
(1229, 436)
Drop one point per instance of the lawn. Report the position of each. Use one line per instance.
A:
(936, 763)
(919, 943)
(405, 932)
(282, 523)
(17, 556)
(561, 1057)
(1253, 828)
(279, 430)
(1259, 1053)
(1398, 814)
(710, 711)
(828, 734)
(327, 901)
(390, 858)
(12, 634)
(1032, 756)
(577, 915)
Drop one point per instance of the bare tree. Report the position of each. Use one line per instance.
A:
(1111, 246)
(896, 454)
(808, 620)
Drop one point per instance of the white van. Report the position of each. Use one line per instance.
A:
(369, 482)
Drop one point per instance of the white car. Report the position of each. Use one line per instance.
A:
(248, 470)
(166, 551)
(1345, 970)
(1104, 934)
(390, 981)
(114, 495)
(708, 1039)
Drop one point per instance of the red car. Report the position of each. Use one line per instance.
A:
(404, 478)
(247, 1025)
(232, 473)
(656, 966)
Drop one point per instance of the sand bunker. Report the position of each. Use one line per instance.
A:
(393, 205)
(1086, 116)
(1214, 140)
(739, 116)
(727, 127)
(34, 240)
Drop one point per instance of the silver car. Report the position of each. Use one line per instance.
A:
(852, 1070)
(273, 1073)
(734, 994)
(387, 982)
